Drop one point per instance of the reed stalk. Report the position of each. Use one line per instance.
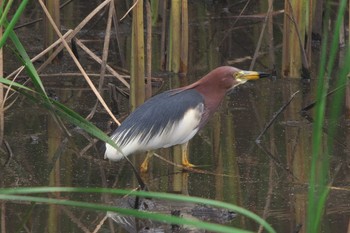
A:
(50, 35)
(137, 70)
(184, 37)
(270, 35)
(154, 10)
(149, 51)
(175, 36)
(163, 36)
(295, 28)
(2, 111)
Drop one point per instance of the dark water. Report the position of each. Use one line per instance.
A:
(270, 179)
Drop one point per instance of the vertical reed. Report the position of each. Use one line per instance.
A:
(1, 89)
(149, 51)
(294, 32)
(50, 35)
(137, 82)
(154, 10)
(184, 37)
(175, 36)
(163, 36)
(270, 35)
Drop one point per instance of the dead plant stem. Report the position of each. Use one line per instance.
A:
(116, 29)
(149, 51)
(163, 37)
(269, 194)
(275, 115)
(302, 49)
(256, 53)
(99, 60)
(104, 56)
(78, 63)
(130, 9)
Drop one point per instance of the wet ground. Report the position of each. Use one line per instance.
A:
(269, 178)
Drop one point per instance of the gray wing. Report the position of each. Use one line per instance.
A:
(155, 114)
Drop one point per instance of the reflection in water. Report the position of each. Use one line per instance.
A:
(246, 175)
(184, 209)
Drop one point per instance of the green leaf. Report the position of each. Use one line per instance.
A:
(165, 196)
(11, 25)
(27, 63)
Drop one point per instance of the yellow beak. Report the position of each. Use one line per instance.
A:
(252, 75)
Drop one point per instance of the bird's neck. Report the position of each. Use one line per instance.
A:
(213, 96)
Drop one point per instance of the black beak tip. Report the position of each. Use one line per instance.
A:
(264, 75)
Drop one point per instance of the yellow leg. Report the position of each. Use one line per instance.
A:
(185, 161)
(144, 165)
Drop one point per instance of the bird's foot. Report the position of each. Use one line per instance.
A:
(187, 164)
(144, 167)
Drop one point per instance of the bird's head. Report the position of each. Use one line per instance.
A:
(227, 77)
(221, 80)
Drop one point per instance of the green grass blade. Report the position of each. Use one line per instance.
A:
(164, 196)
(131, 212)
(11, 25)
(338, 100)
(13, 84)
(319, 172)
(31, 71)
(4, 13)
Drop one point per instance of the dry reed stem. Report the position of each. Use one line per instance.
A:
(74, 219)
(77, 63)
(184, 37)
(137, 70)
(234, 23)
(302, 49)
(163, 37)
(8, 93)
(274, 117)
(104, 56)
(89, 74)
(267, 126)
(269, 194)
(254, 16)
(98, 227)
(106, 43)
(3, 216)
(148, 93)
(256, 53)
(2, 99)
(130, 9)
(120, 49)
(10, 153)
(270, 36)
(73, 34)
(98, 60)
(175, 36)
